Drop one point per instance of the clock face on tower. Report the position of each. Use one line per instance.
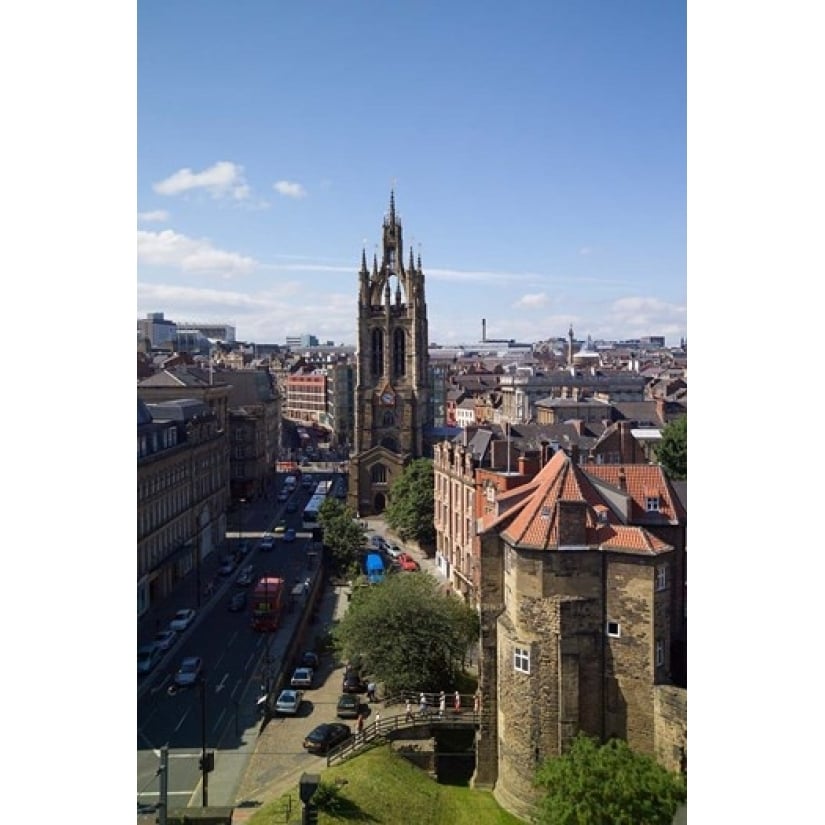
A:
(388, 398)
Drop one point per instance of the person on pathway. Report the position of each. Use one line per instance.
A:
(371, 691)
(377, 722)
(457, 702)
(359, 727)
(442, 705)
(408, 715)
(422, 705)
(477, 702)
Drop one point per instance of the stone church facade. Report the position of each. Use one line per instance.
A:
(392, 371)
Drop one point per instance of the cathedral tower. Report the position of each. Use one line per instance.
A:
(392, 372)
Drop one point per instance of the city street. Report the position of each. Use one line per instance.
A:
(235, 658)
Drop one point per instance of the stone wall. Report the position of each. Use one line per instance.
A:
(670, 727)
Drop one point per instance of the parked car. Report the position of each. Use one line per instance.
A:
(164, 639)
(393, 551)
(182, 619)
(189, 671)
(302, 677)
(292, 506)
(407, 562)
(247, 576)
(289, 534)
(326, 736)
(227, 566)
(283, 495)
(352, 683)
(280, 527)
(378, 542)
(243, 548)
(267, 542)
(237, 602)
(148, 656)
(310, 659)
(348, 706)
(289, 702)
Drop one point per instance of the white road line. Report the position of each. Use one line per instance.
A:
(186, 713)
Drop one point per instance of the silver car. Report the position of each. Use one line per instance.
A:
(189, 671)
(289, 702)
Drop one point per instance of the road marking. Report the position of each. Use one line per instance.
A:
(178, 726)
(220, 686)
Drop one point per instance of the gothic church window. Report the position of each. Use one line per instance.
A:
(398, 353)
(378, 474)
(389, 418)
(377, 353)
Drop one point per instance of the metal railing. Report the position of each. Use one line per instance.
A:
(377, 732)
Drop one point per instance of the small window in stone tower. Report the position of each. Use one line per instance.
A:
(521, 659)
(613, 629)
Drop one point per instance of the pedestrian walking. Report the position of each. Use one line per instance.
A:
(442, 705)
(477, 702)
(359, 727)
(371, 691)
(377, 721)
(408, 715)
(457, 702)
(422, 705)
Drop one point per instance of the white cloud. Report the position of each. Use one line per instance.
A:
(537, 299)
(224, 179)
(193, 255)
(585, 250)
(289, 189)
(156, 215)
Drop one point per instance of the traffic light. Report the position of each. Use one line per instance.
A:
(207, 763)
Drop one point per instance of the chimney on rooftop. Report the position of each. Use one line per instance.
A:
(483, 330)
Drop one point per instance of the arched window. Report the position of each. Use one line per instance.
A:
(389, 418)
(378, 474)
(398, 353)
(377, 353)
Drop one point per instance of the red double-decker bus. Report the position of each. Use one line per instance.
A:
(267, 601)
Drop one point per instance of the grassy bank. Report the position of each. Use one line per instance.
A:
(381, 787)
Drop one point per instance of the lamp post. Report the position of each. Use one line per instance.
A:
(207, 759)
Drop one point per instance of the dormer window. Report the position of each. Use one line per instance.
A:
(652, 503)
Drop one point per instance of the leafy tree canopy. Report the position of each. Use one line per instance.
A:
(607, 785)
(410, 508)
(672, 449)
(342, 534)
(407, 632)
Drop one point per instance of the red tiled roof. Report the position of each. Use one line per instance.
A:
(532, 520)
(642, 480)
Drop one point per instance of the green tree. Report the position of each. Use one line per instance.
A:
(342, 534)
(607, 785)
(407, 632)
(410, 508)
(672, 449)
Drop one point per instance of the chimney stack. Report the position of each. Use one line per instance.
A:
(483, 330)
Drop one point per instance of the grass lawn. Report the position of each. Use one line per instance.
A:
(382, 787)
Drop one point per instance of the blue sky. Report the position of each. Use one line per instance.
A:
(537, 152)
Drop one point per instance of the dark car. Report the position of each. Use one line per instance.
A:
(352, 683)
(348, 706)
(310, 659)
(326, 736)
(292, 506)
(237, 602)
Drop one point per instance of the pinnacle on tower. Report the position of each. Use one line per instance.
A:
(392, 206)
